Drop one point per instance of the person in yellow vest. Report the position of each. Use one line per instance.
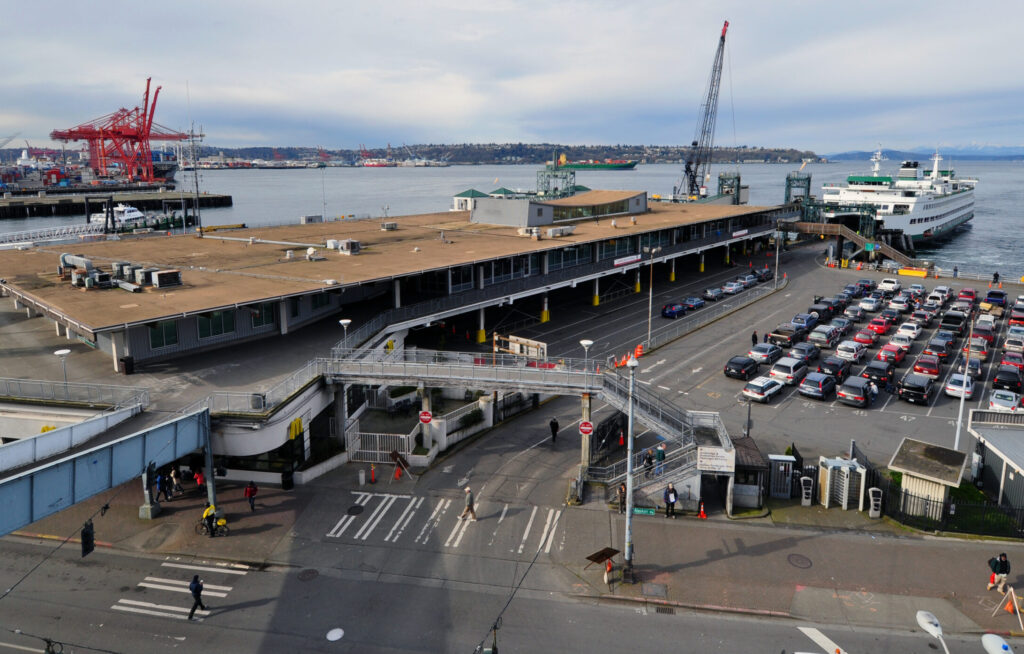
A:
(210, 516)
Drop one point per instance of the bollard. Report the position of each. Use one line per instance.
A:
(362, 477)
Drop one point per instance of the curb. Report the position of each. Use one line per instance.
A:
(29, 534)
(605, 597)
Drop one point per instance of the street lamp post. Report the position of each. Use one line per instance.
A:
(345, 322)
(963, 388)
(63, 354)
(627, 571)
(992, 643)
(650, 292)
(778, 238)
(586, 343)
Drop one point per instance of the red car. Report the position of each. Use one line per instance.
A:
(968, 294)
(1017, 316)
(893, 353)
(1013, 359)
(986, 333)
(866, 337)
(880, 326)
(927, 365)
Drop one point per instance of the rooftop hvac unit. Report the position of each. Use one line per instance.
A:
(309, 220)
(103, 279)
(128, 272)
(529, 231)
(131, 288)
(349, 246)
(564, 230)
(165, 278)
(388, 227)
(332, 244)
(144, 276)
(119, 267)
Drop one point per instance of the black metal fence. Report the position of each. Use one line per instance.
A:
(986, 519)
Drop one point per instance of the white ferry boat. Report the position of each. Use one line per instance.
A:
(924, 207)
(124, 215)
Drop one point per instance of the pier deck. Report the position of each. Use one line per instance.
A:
(72, 205)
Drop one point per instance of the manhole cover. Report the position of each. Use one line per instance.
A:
(355, 509)
(799, 561)
(654, 590)
(308, 574)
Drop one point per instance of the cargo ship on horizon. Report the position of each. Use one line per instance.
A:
(594, 164)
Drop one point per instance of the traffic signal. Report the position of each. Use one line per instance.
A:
(88, 538)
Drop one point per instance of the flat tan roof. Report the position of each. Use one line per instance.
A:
(218, 273)
(592, 198)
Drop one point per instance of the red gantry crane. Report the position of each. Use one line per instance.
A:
(119, 142)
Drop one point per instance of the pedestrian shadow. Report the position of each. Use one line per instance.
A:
(256, 529)
(241, 606)
(718, 555)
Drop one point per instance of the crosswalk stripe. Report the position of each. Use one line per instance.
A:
(165, 607)
(403, 520)
(551, 535)
(494, 534)
(178, 589)
(458, 530)
(434, 520)
(178, 582)
(361, 499)
(821, 640)
(375, 518)
(526, 534)
(547, 525)
(226, 570)
(159, 614)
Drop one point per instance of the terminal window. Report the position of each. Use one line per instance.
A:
(263, 314)
(163, 334)
(216, 323)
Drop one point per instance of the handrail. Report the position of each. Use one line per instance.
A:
(78, 392)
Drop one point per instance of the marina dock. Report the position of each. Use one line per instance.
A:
(82, 204)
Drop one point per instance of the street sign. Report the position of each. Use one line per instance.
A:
(642, 510)
(586, 428)
(425, 417)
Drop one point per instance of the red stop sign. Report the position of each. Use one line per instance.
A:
(425, 417)
(586, 428)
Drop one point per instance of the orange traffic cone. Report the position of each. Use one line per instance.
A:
(622, 438)
(597, 371)
(373, 474)
(1000, 284)
(398, 472)
(702, 515)
(608, 571)
(1009, 607)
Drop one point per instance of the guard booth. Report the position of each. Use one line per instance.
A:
(780, 469)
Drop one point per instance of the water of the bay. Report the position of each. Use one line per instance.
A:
(265, 197)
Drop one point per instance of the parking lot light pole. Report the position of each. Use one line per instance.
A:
(963, 388)
(650, 292)
(345, 322)
(627, 571)
(586, 343)
(63, 354)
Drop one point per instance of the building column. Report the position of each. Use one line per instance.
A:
(67, 332)
(727, 248)
(116, 345)
(426, 430)
(672, 271)
(398, 294)
(481, 333)
(545, 314)
(341, 410)
(702, 262)
(597, 293)
(585, 438)
(57, 327)
(282, 312)
(636, 285)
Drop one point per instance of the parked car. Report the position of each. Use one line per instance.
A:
(954, 321)
(880, 326)
(945, 335)
(741, 367)
(824, 336)
(1014, 359)
(817, 385)
(855, 391)
(976, 348)
(968, 294)
(762, 389)
(854, 314)
(911, 329)
(900, 303)
(1008, 378)
(880, 372)
(844, 325)
(1016, 316)
(972, 368)
(788, 370)
(693, 303)
(851, 351)
(805, 351)
(960, 384)
(673, 310)
(787, 334)
(805, 320)
(928, 365)
(749, 280)
(764, 274)
(866, 337)
(892, 315)
(985, 332)
(901, 340)
(917, 290)
(892, 353)
(939, 348)
(915, 388)
(732, 288)
(835, 367)
(854, 291)
(870, 304)
(997, 297)
(922, 317)
(1013, 344)
(890, 284)
(713, 294)
(867, 284)
(1002, 400)
(765, 353)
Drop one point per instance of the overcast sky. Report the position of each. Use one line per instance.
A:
(822, 76)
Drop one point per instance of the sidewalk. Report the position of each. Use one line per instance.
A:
(826, 566)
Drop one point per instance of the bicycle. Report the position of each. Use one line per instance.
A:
(220, 528)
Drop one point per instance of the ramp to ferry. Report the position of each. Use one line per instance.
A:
(834, 229)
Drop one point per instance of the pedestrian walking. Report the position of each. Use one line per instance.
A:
(659, 457)
(765, 339)
(163, 486)
(956, 272)
(200, 481)
(753, 339)
(250, 494)
(622, 498)
(874, 392)
(648, 463)
(1000, 569)
(196, 588)
(469, 505)
(210, 517)
(670, 501)
(176, 481)
(554, 429)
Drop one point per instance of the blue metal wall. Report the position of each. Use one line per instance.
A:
(50, 488)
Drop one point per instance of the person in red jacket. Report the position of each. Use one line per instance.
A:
(200, 481)
(250, 494)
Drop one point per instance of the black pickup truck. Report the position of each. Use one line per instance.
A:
(787, 334)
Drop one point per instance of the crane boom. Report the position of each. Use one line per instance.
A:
(698, 161)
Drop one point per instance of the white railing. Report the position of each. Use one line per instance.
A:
(55, 391)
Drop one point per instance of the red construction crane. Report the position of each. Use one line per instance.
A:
(119, 142)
